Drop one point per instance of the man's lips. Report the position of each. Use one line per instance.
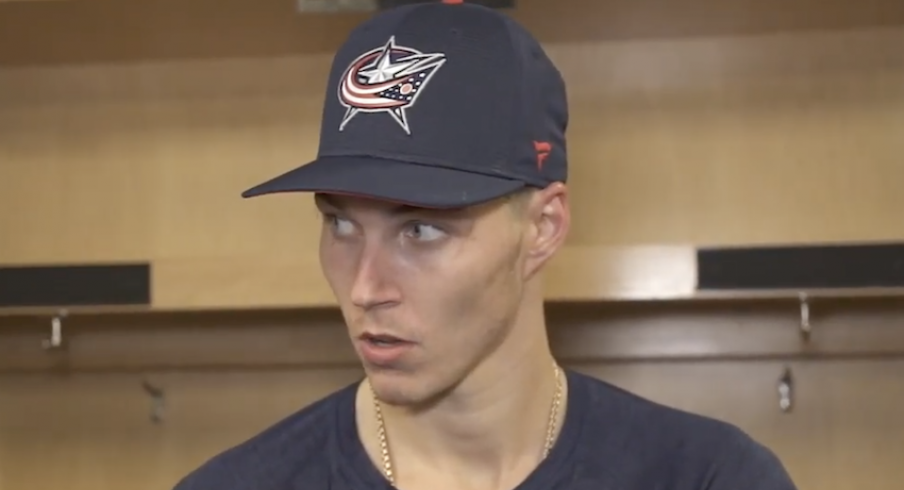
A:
(384, 350)
(382, 338)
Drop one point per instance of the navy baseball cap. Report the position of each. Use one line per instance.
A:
(437, 105)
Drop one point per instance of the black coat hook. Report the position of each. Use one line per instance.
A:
(158, 401)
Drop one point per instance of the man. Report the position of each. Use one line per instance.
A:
(441, 180)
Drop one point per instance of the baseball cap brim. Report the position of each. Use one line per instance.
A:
(425, 186)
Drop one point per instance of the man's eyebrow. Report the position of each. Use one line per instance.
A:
(324, 200)
(395, 210)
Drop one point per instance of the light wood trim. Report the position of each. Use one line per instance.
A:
(616, 332)
(240, 282)
(50, 311)
(622, 273)
(576, 273)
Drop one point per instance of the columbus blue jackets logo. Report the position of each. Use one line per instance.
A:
(388, 80)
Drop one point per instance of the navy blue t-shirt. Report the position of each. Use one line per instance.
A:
(611, 440)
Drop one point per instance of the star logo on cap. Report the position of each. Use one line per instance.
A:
(387, 79)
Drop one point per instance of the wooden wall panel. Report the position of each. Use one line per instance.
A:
(790, 137)
(93, 431)
(79, 416)
(782, 136)
(149, 160)
(843, 433)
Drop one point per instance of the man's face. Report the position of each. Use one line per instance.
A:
(426, 294)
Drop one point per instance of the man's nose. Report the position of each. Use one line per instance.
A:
(373, 285)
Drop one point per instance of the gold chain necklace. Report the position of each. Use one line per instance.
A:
(550, 428)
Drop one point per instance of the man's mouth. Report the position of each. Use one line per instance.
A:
(382, 340)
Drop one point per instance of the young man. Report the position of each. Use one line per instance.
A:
(441, 180)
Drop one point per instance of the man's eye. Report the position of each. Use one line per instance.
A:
(340, 226)
(425, 232)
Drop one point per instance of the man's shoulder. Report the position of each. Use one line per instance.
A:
(292, 449)
(656, 442)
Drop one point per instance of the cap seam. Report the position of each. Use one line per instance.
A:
(490, 171)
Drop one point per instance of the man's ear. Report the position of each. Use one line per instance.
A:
(550, 221)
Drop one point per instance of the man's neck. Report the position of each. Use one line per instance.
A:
(491, 429)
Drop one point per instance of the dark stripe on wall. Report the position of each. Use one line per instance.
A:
(75, 285)
(801, 267)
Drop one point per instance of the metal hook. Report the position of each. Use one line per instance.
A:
(56, 332)
(158, 401)
(786, 391)
(805, 328)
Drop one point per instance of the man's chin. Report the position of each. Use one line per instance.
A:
(398, 389)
